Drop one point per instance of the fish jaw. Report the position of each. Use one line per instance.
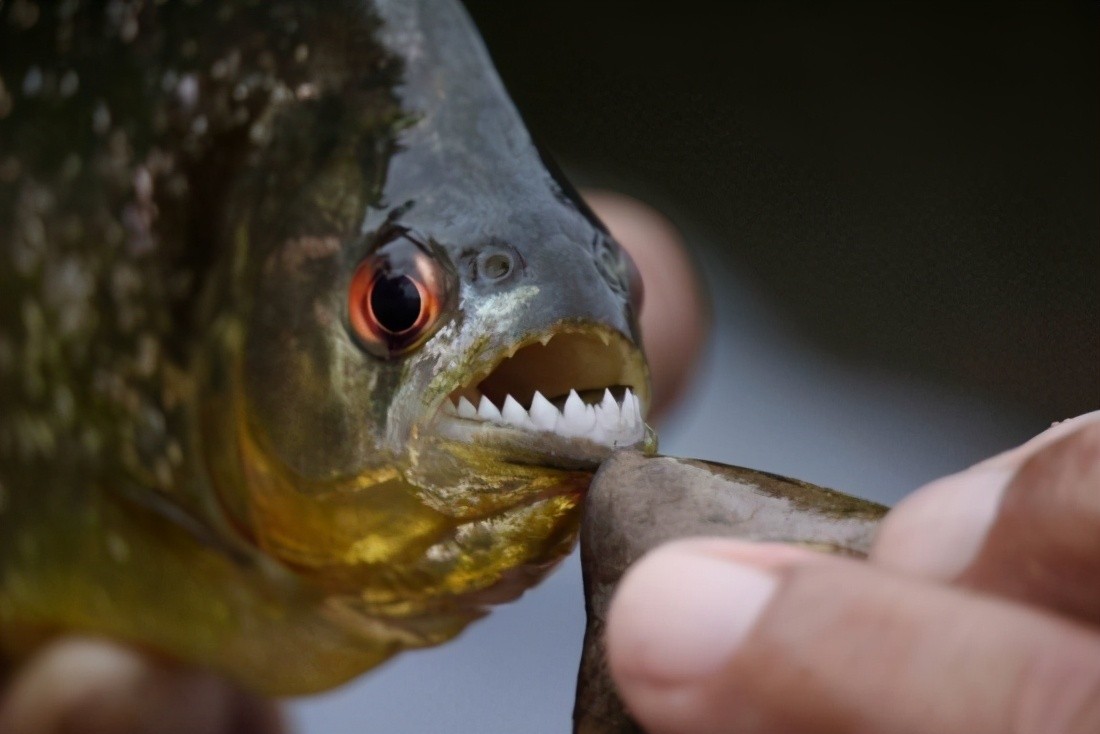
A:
(564, 397)
(510, 475)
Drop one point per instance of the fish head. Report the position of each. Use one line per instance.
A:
(421, 396)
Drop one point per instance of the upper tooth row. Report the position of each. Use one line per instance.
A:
(609, 422)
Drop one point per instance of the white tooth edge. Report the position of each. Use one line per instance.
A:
(609, 423)
(545, 339)
(629, 410)
(466, 409)
(575, 420)
(449, 407)
(607, 414)
(514, 414)
(487, 411)
(570, 421)
(574, 407)
(543, 413)
(609, 400)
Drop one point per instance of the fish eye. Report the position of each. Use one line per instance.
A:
(395, 299)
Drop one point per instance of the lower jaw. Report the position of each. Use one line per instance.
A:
(516, 500)
(456, 580)
(538, 449)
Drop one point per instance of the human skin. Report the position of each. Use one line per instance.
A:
(978, 611)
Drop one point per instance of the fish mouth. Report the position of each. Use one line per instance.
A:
(567, 396)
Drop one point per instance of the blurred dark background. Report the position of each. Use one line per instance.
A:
(914, 185)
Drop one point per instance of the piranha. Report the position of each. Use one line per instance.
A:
(307, 354)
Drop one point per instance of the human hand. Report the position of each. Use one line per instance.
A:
(977, 611)
(84, 686)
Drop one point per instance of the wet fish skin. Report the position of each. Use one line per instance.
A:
(195, 455)
(636, 503)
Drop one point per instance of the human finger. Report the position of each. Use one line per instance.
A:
(674, 319)
(721, 636)
(1024, 525)
(86, 686)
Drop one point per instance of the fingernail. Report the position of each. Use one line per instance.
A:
(680, 615)
(938, 531)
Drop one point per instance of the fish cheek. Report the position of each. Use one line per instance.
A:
(307, 390)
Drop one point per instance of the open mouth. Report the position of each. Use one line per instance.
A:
(571, 385)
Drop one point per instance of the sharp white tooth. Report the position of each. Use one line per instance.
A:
(629, 410)
(466, 409)
(575, 420)
(449, 407)
(608, 399)
(514, 414)
(607, 420)
(587, 421)
(545, 339)
(607, 412)
(487, 411)
(543, 413)
(574, 406)
(604, 431)
(604, 338)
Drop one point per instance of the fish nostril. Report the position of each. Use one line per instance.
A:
(494, 264)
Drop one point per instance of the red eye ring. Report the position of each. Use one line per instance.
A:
(395, 299)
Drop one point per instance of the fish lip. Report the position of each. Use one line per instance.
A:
(537, 448)
(592, 355)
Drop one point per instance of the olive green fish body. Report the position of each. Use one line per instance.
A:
(255, 258)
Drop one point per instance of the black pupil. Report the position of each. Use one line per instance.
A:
(395, 302)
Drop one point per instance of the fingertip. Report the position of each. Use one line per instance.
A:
(679, 615)
(937, 531)
(89, 686)
(678, 618)
(251, 714)
(1015, 457)
(63, 678)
